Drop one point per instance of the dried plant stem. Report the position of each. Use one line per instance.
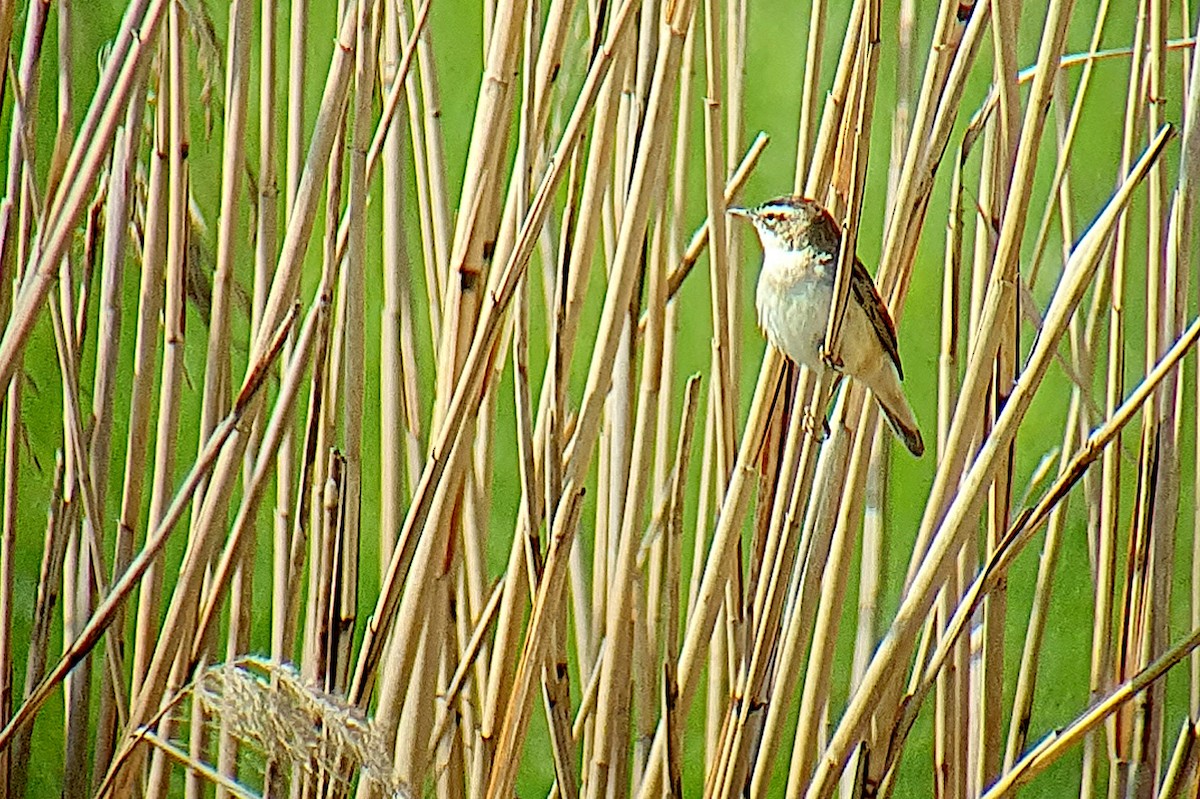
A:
(703, 611)
(552, 214)
(715, 167)
(120, 590)
(1049, 749)
(276, 428)
(90, 148)
(1030, 520)
(170, 139)
(920, 595)
(118, 212)
(812, 80)
(487, 329)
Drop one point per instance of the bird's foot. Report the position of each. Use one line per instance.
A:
(828, 358)
(816, 426)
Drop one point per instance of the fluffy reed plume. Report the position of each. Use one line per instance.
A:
(291, 725)
(280, 721)
(409, 344)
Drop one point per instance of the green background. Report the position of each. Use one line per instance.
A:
(774, 72)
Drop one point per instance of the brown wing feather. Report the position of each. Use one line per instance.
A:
(862, 287)
(868, 297)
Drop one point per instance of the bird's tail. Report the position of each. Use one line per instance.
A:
(904, 424)
(885, 385)
(903, 421)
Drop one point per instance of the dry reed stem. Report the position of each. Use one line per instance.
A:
(503, 768)
(455, 699)
(433, 168)
(49, 580)
(1189, 161)
(645, 192)
(715, 168)
(1107, 667)
(844, 477)
(1031, 653)
(1158, 441)
(856, 140)
(872, 553)
(450, 695)
(699, 239)
(310, 516)
(169, 139)
(214, 775)
(152, 672)
(487, 329)
(782, 550)
(276, 428)
(217, 367)
(715, 576)
(736, 15)
(1027, 675)
(118, 211)
(297, 69)
(266, 239)
(84, 560)
(397, 381)
(302, 214)
(819, 180)
(772, 601)
(1182, 763)
(1004, 130)
(398, 81)
(812, 80)
(702, 612)
(1057, 183)
(130, 579)
(266, 201)
(661, 561)
(1055, 744)
(90, 148)
(897, 644)
(1030, 520)
(941, 93)
(15, 243)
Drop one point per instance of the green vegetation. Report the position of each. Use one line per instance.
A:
(316, 341)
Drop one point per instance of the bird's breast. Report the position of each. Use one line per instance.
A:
(793, 306)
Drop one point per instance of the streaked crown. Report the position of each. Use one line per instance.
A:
(792, 223)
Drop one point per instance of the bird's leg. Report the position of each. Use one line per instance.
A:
(815, 424)
(827, 357)
(824, 407)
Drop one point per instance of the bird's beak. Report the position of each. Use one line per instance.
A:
(737, 210)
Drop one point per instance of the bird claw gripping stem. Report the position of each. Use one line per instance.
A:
(819, 430)
(829, 360)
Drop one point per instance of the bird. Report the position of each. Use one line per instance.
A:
(800, 242)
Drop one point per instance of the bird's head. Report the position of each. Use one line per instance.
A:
(792, 223)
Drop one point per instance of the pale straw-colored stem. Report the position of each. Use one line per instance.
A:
(487, 330)
(129, 580)
(897, 645)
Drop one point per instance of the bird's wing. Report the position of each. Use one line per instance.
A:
(867, 297)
